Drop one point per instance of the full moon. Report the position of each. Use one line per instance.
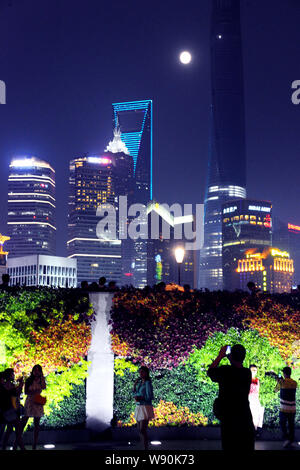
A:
(185, 57)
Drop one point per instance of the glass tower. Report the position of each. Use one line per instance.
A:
(31, 207)
(247, 227)
(96, 180)
(134, 119)
(227, 161)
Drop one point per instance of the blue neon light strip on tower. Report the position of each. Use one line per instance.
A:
(132, 140)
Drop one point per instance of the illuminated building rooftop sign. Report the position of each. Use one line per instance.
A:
(282, 254)
(294, 227)
(259, 208)
(99, 160)
(228, 210)
(29, 162)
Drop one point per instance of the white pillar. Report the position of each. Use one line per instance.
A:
(100, 381)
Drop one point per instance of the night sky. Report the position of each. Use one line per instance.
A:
(65, 62)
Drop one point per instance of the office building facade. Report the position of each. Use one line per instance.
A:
(166, 232)
(227, 161)
(42, 270)
(271, 270)
(95, 182)
(246, 225)
(286, 236)
(31, 222)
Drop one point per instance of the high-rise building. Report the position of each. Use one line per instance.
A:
(124, 186)
(163, 230)
(96, 181)
(227, 162)
(270, 269)
(134, 119)
(31, 207)
(246, 225)
(287, 237)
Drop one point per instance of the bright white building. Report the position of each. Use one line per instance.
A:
(42, 270)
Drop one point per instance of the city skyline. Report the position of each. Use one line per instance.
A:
(55, 135)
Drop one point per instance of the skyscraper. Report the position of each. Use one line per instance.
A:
(286, 236)
(246, 227)
(135, 121)
(95, 181)
(227, 162)
(124, 184)
(271, 270)
(161, 261)
(31, 207)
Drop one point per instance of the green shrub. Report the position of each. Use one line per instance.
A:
(72, 410)
(258, 350)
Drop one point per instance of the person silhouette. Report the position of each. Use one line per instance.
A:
(34, 385)
(102, 282)
(287, 388)
(237, 429)
(11, 390)
(5, 281)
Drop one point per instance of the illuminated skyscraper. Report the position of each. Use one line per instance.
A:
(227, 162)
(95, 180)
(286, 236)
(246, 226)
(271, 270)
(161, 261)
(135, 121)
(31, 207)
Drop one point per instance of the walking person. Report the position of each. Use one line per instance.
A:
(143, 394)
(287, 387)
(34, 404)
(233, 410)
(257, 410)
(10, 391)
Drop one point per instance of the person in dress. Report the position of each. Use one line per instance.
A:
(33, 408)
(257, 410)
(143, 395)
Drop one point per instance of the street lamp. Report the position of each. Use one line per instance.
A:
(179, 255)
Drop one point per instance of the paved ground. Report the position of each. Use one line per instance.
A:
(171, 445)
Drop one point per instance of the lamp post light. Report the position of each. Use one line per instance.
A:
(179, 255)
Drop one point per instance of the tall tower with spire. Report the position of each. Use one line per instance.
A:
(227, 159)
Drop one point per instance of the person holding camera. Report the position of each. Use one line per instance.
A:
(232, 405)
(287, 387)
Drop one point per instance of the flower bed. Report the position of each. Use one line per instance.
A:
(178, 334)
(50, 327)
